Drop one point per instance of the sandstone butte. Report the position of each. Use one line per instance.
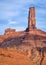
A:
(26, 47)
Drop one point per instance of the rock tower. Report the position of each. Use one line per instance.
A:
(31, 19)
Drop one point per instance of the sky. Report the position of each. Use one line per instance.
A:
(14, 14)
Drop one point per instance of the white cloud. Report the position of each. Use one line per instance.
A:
(10, 22)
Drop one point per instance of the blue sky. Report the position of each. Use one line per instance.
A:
(14, 14)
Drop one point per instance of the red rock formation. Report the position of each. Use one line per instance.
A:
(9, 31)
(30, 39)
(31, 19)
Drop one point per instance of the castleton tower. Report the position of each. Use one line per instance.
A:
(31, 19)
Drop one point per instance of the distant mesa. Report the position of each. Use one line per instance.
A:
(9, 31)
